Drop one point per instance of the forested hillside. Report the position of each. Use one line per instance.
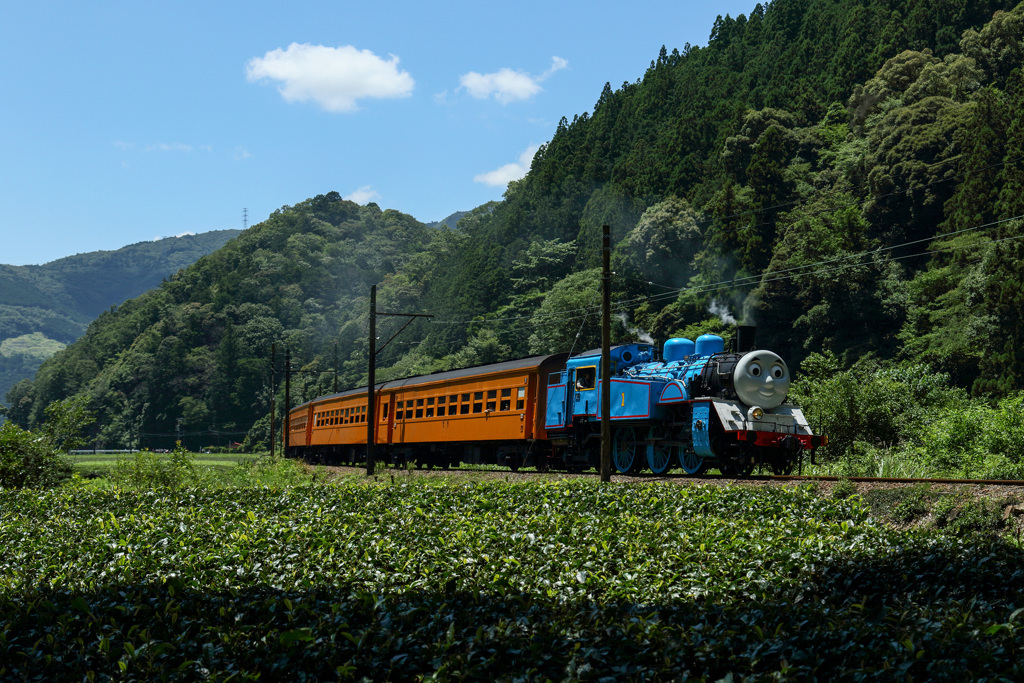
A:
(845, 175)
(43, 308)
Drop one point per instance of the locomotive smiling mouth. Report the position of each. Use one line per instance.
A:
(766, 391)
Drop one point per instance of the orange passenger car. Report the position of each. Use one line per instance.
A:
(492, 413)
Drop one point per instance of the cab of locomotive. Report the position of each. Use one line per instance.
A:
(584, 370)
(575, 389)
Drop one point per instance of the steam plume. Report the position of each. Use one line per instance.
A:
(721, 310)
(640, 334)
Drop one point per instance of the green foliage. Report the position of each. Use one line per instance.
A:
(146, 470)
(843, 489)
(35, 460)
(882, 406)
(829, 169)
(491, 581)
(664, 243)
(979, 440)
(35, 345)
(569, 316)
(904, 504)
(962, 514)
(267, 471)
(905, 421)
(65, 421)
(42, 308)
(28, 460)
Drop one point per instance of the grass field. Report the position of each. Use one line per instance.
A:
(100, 465)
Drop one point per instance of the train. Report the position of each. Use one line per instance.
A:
(691, 405)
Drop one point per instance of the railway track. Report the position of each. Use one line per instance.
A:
(862, 480)
(680, 476)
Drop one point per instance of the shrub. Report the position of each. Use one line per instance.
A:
(271, 471)
(33, 459)
(884, 406)
(844, 488)
(978, 440)
(29, 460)
(901, 504)
(961, 514)
(147, 470)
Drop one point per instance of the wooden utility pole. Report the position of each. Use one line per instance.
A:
(606, 356)
(371, 420)
(273, 421)
(273, 395)
(286, 426)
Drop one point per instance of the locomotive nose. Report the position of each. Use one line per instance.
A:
(761, 379)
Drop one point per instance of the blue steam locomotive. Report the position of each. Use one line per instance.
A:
(697, 406)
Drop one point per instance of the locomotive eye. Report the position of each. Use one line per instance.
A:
(778, 372)
(755, 370)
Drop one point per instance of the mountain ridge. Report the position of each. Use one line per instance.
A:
(59, 299)
(714, 193)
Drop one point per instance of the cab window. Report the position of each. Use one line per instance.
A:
(586, 378)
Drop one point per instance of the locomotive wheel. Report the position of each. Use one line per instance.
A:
(659, 456)
(692, 464)
(745, 468)
(624, 450)
(781, 466)
(783, 460)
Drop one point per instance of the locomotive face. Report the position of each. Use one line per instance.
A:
(761, 379)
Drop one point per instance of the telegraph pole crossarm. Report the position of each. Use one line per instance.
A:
(371, 379)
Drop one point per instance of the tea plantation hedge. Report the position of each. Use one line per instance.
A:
(559, 580)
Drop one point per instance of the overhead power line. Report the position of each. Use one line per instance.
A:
(815, 268)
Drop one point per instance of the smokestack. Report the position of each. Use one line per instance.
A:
(745, 338)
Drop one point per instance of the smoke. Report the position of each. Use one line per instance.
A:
(635, 331)
(721, 311)
(750, 307)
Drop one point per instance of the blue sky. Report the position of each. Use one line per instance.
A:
(122, 122)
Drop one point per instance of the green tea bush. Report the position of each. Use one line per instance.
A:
(902, 504)
(560, 580)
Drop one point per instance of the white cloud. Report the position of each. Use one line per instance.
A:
(557, 64)
(180, 234)
(333, 77)
(163, 147)
(241, 153)
(509, 172)
(506, 85)
(363, 195)
(177, 147)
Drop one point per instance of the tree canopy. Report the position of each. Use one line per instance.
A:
(845, 175)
